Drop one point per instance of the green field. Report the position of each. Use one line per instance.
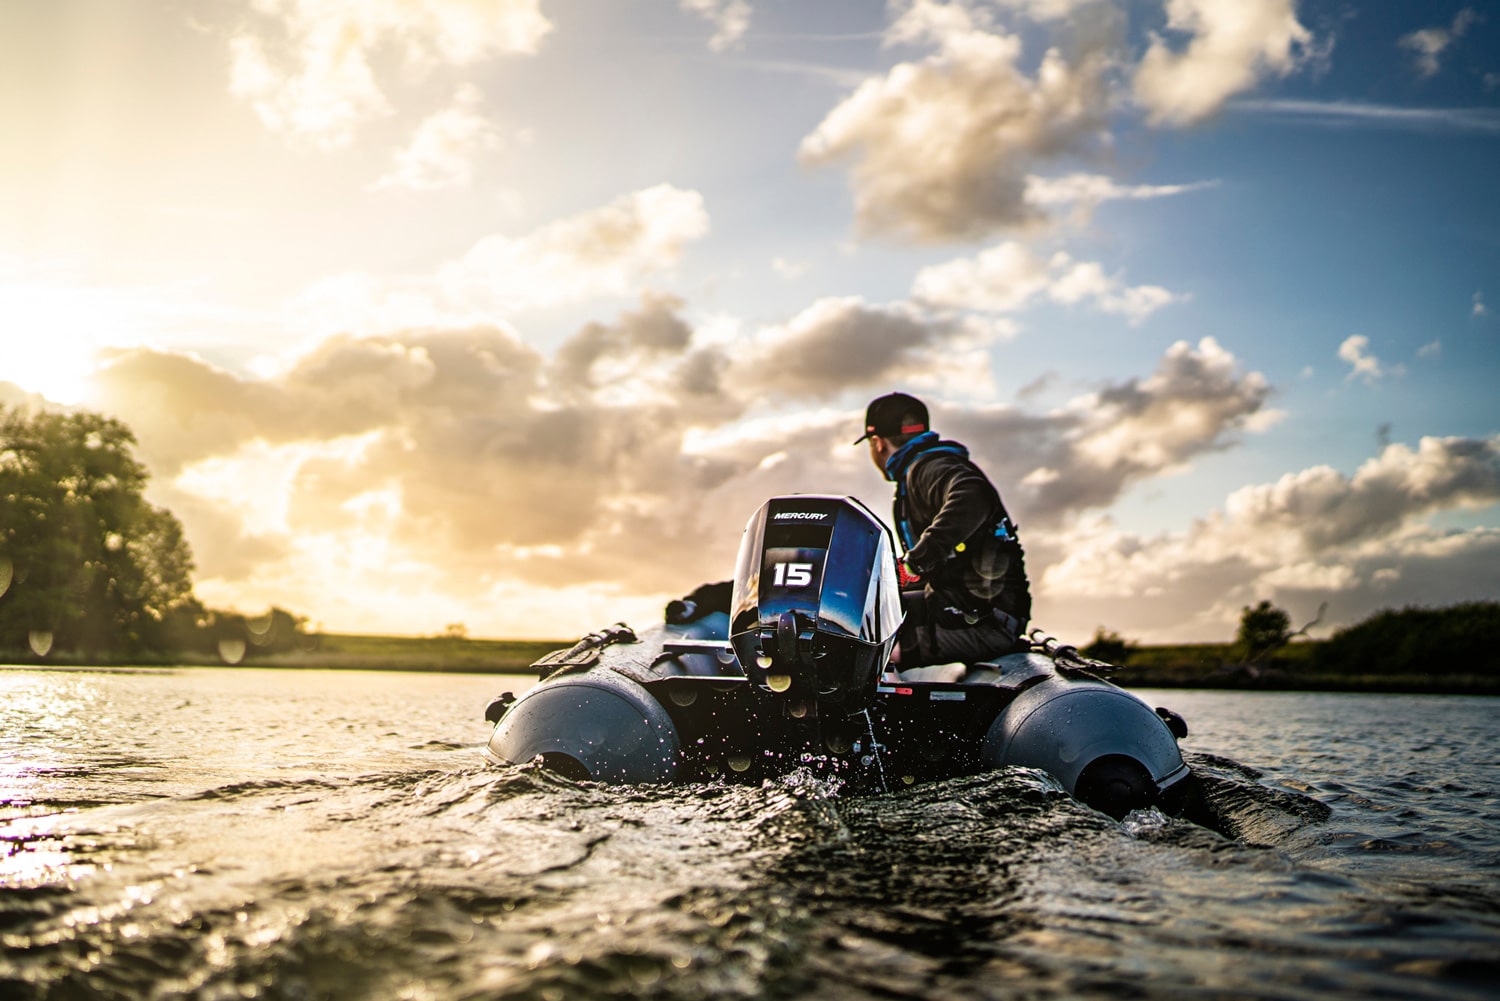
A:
(1294, 667)
(338, 651)
(414, 653)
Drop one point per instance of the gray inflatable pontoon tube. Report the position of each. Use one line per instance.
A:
(600, 726)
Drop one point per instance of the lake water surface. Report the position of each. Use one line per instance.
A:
(216, 833)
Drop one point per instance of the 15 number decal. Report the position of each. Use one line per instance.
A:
(792, 574)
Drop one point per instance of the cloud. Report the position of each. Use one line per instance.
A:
(655, 329)
(1347, 114)
(1055, 466)
(1001, 279)
(1355, 351)
(1232, 45)
(788, 269)
(1196, 402)
(1087, 282)
(1094, 189)
(525, 494)
(1358, 541)
(730, 18)
(308, 67)
(457, 432)
(1050, 10)
(1009, 277)
(606, 251)
(845, 343)
(1431, 349)
(1479, 308)
(463, 462)
(1429, 44)
(944, 145)
(442, 150)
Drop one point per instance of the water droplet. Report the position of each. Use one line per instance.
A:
(763, 661)
(231, 651)
(6, 573)
(778, 682)
(684, 695)
(739, 762)
(41, 642)
(645, 973)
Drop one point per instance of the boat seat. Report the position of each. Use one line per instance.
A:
(931, 673)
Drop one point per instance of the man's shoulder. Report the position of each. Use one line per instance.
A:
(942, 463)
(943, 455)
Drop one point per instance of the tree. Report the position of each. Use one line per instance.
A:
(1459, 639)
(94, 567)
(1108, 646)
(1262, 629)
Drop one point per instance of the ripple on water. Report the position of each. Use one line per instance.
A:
(439, 878)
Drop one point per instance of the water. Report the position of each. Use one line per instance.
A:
(249, 833)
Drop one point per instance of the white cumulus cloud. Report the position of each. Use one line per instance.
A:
(1094, 189)
(1356, 351)
(1009, 277)
(1428, 45)
(730, 18)
(944, 145)
(1359, 542)
(606, 251)
(442, 151)
(308, 67)
(1232, 44)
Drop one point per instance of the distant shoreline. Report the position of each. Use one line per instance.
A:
(1200, 666)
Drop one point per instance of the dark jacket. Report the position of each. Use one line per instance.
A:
(955, 529)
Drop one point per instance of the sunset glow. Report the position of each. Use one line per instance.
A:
(511, 313)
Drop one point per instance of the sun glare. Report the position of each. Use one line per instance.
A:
(52, 334)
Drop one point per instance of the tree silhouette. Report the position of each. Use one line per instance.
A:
(1262, 629)
(92, 566)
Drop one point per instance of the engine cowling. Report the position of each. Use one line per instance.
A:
(816, 605)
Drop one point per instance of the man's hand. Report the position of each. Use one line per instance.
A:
(906, 573)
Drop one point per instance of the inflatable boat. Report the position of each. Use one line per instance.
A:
(789, 667)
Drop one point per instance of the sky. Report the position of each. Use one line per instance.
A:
(510, 313)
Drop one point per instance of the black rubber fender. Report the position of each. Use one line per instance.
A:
(1063, 727)
(598, 724)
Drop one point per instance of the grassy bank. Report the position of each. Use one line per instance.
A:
(1201, 665)
(1292, 668)
(337, 651)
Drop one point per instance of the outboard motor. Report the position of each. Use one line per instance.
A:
(816, 604)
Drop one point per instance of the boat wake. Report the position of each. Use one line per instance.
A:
(516, 882)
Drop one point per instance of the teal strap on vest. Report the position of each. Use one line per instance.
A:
(900, 463)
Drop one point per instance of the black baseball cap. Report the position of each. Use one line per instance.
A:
(894, 414)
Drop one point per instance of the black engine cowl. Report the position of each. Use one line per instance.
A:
(816, 603)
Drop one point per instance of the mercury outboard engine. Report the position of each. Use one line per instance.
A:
(816, 604)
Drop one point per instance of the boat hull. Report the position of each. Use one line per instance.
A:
(672, 705)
